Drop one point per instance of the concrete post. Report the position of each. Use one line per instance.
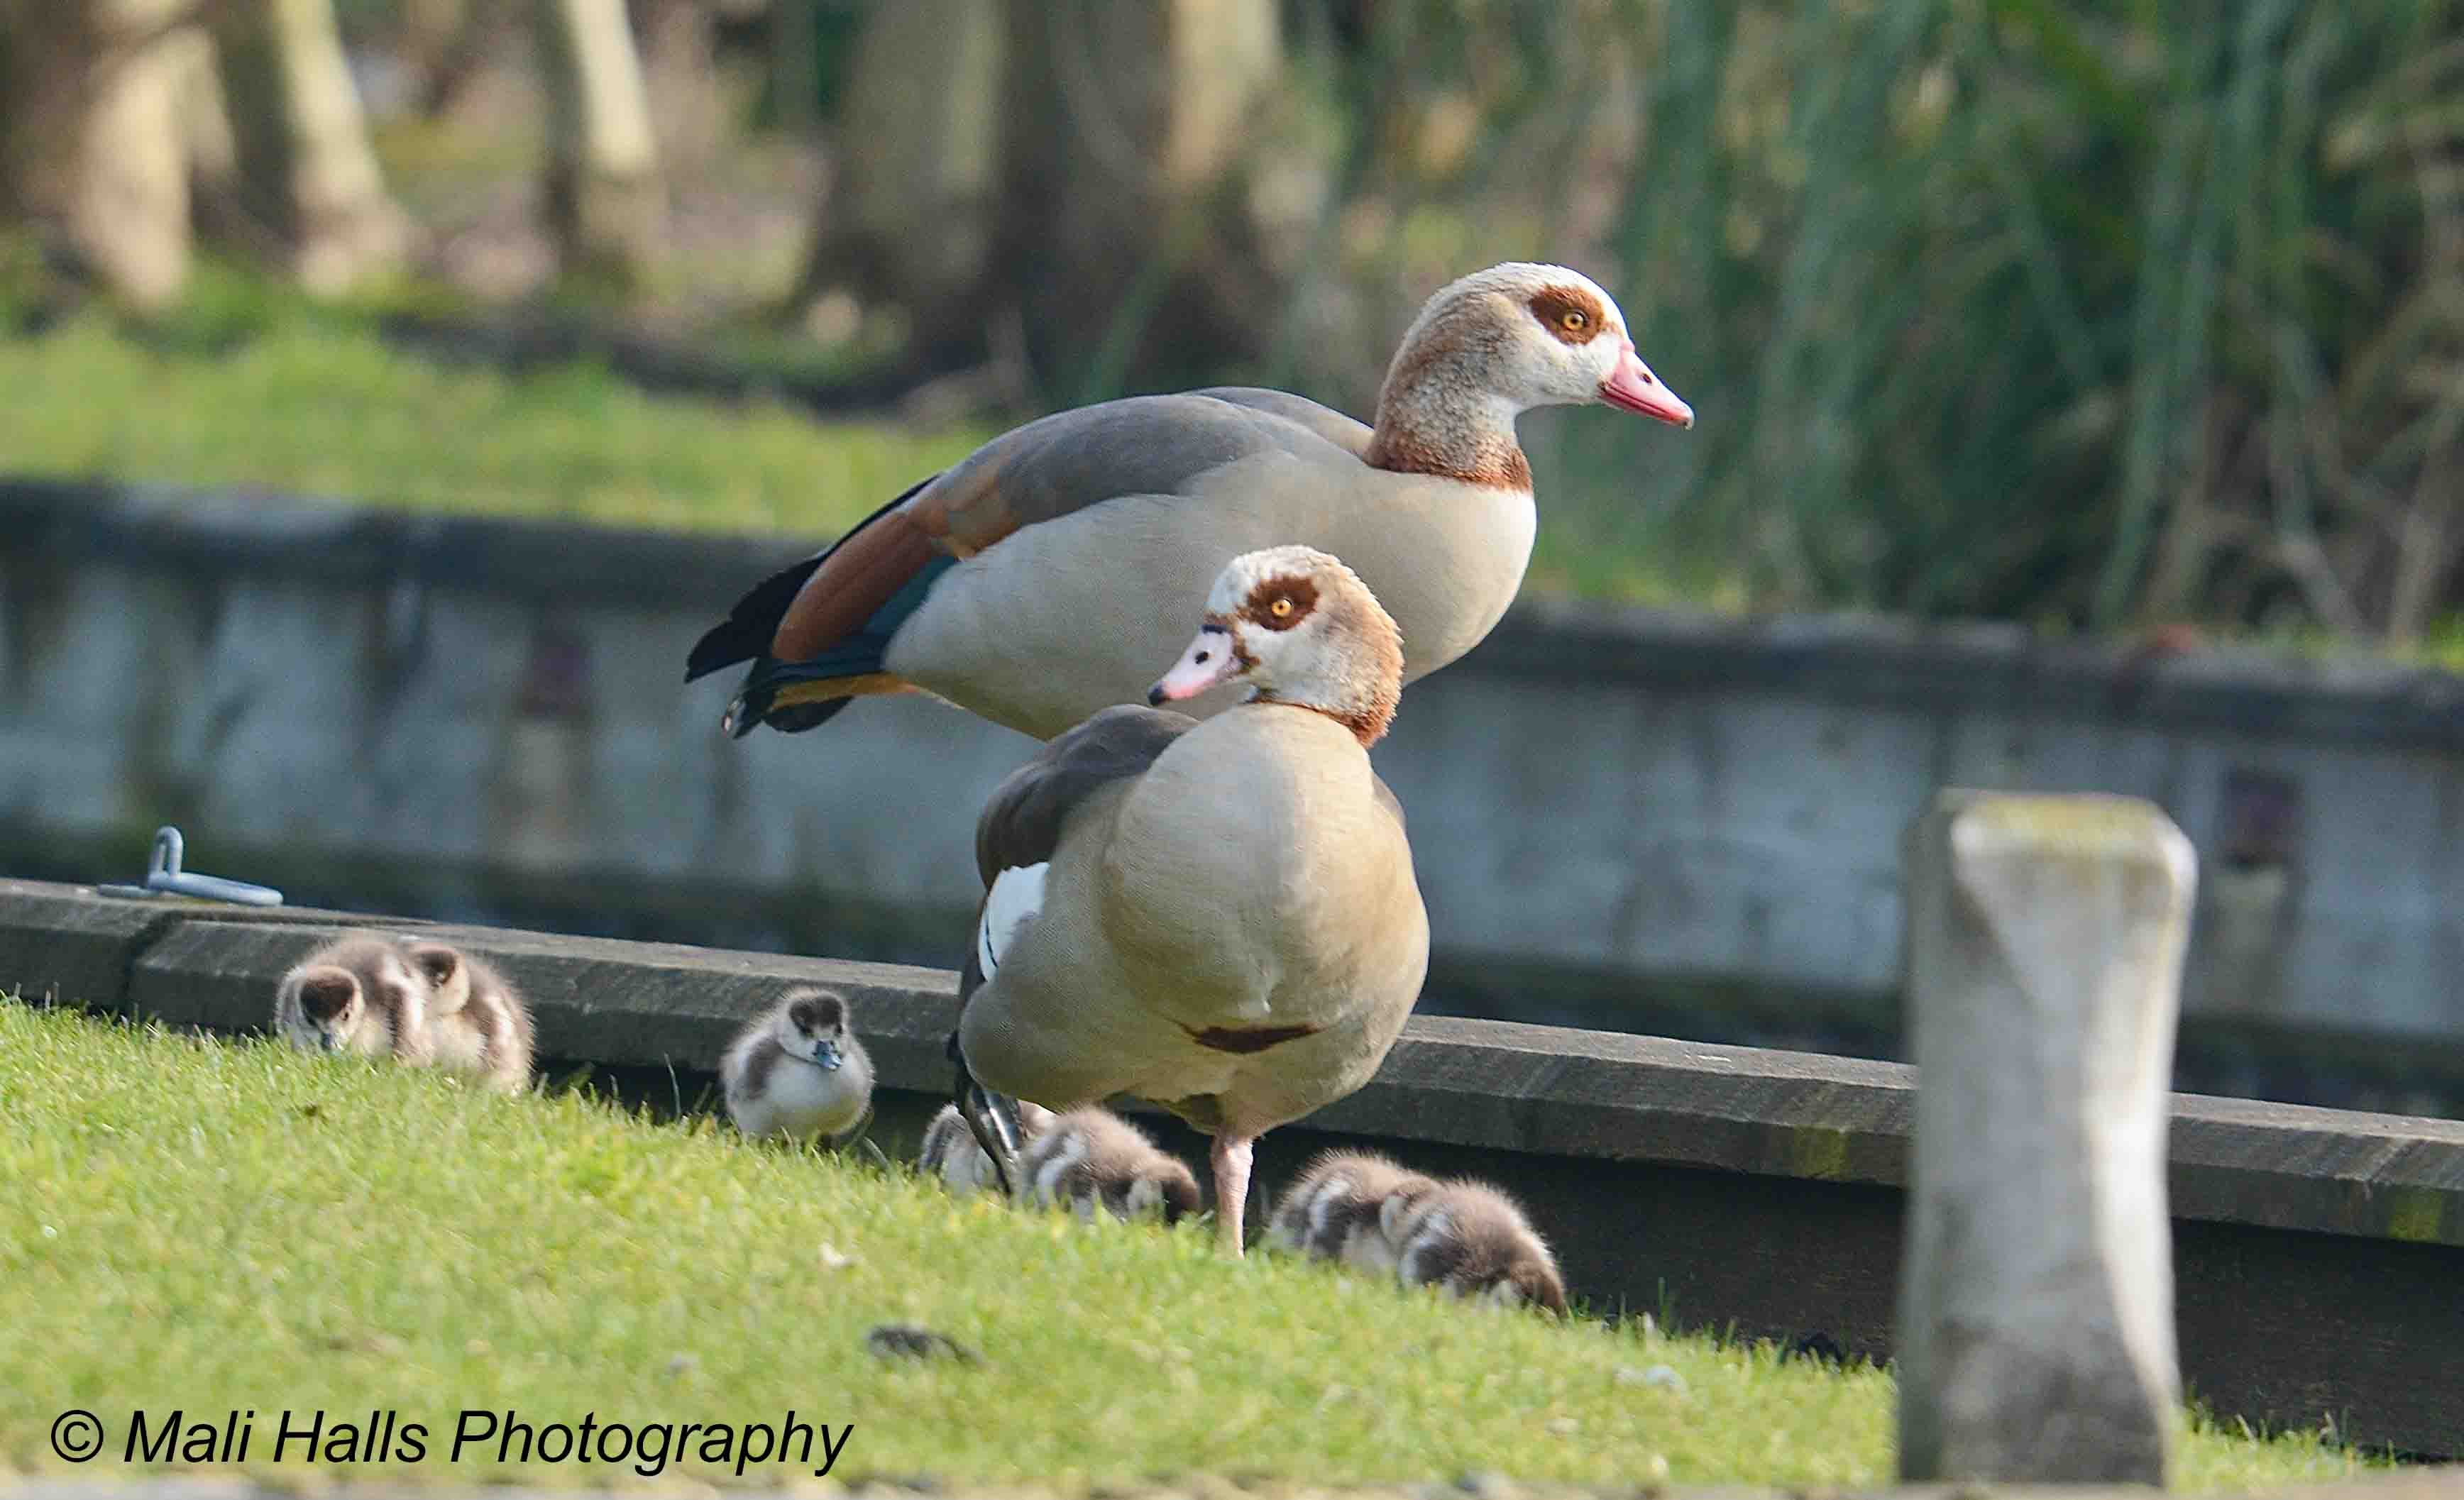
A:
(2045, 936)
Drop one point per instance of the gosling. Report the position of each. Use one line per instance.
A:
(359, 994)
(1343, 1208)
(477, 1022)
(1091, 1161)
(1474, 1242)
(797, 1071)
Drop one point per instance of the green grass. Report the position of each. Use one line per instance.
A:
(212, 1226)
(321, 405)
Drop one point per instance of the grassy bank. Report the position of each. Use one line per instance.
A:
(324, 405)
(219, 1226)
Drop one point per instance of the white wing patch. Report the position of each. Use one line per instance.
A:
(1016, 894)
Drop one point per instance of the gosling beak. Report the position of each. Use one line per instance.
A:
(1209, 660)
(1632, 388)
(827, 1057)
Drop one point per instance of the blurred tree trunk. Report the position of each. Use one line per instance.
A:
(795, 63)
(205, 119)
(442, 43)
(910, 217)
(305, 156)
(680, 79)
(604, 201)
(218, 191)
(1133, 234)
(96, 142)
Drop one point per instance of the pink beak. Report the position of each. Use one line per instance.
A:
(1209, 660)
(1631, 386)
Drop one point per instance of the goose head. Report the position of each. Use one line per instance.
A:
(812, 1026)
(449, 978)
(331, 1003)
(1301, 628)
(1523, 335)
(1527, 1281)
(358, 1001)
(1166, 1188)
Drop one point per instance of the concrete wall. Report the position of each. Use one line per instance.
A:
(1629, 818)
(2317, 1252)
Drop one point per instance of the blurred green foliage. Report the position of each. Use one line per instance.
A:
(2089, 313)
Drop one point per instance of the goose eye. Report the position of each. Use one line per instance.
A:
(1280, 608)
(1572, 321)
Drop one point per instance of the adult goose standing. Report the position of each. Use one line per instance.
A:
(1027, 583)
(1222, 916)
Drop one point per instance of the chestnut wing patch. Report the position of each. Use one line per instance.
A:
(749, 627)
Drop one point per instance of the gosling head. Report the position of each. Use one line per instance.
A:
(813, 1025)
(353, 996)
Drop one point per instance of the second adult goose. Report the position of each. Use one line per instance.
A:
(1220, 918)
(1029, 583)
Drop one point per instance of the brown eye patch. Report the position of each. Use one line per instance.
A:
(1570, 313)
(1281, 603)
(323, 997)
(818, 1013)
(437, 963)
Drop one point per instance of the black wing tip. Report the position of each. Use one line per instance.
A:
(709, 655)
(744, 636)
(749, 708)
(755, 707)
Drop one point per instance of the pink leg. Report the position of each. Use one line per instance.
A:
(1231, 1189)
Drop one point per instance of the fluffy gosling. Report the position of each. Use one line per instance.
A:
(1090, 1159)
(796, 1071)
(477, 1022)
(1474, 1241)
(1344, 1207)
(359, 994)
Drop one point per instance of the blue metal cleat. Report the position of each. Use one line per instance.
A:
(164, 877)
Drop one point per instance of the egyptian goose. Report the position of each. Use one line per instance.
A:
(479, 1020)
(1027, 583)
(1092, 1161)
(796, 1071)
(1342, 1207)
(1473, 1241)
(1222, 916)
